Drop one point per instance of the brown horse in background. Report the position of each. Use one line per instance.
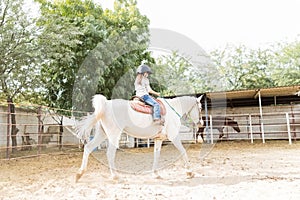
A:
(218, 123)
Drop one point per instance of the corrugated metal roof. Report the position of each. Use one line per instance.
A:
(264, 92)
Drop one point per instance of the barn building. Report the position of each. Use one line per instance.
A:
(266, 113)
(260, 114)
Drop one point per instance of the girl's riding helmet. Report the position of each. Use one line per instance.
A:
(143, 69)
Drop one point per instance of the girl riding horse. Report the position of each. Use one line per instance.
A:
(143, 89)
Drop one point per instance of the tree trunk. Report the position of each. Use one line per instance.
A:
(61, 130)
(14, 129)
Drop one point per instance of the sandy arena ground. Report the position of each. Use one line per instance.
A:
(227, 170)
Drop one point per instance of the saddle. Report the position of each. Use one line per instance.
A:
(139, 105)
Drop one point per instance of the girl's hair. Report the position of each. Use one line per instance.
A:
(139, 78)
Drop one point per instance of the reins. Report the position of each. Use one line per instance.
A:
(186, 113)
(172, 108)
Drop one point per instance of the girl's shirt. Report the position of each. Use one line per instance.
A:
(143, 88)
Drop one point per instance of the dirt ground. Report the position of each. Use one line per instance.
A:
(227, 170)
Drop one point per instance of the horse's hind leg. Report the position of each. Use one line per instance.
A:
(88, 148)
(111, 154)
(157, 149)
(177, 143)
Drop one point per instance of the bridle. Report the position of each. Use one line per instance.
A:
(199, 106)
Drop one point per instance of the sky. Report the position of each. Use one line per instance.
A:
(213, 24)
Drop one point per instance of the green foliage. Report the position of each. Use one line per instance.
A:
(172, 75)
(88, 50)
(178, 75)
(69, 30)
(81, 49)
(243, 68)
(286, 64)
(19, 54)
(128, 39)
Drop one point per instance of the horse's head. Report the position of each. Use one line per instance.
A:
(236, 127)
(195, 112)
(201, 122)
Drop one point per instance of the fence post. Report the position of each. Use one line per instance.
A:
(61, 130)
(250, 126)
(261, 118)
(293, 122)
(288, 127)
(211, 130)
(8, 131)
(39, 130)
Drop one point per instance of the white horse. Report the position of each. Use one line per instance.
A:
(111, 118)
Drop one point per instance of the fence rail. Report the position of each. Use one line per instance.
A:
(40, 130)
(277, 125)
(33, 130)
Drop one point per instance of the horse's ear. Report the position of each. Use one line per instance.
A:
(199, 98)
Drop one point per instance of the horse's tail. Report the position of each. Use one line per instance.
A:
(99, 102)
(85, 126)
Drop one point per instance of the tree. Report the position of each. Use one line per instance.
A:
(176, 74)
(128, 38)
(89, 50)
(171, 75)
(63, 45)
(244, 68)
(18, 56)
(286, 64)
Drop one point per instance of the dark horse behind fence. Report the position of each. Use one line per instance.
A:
(218, 123)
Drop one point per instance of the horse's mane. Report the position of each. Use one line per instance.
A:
(182, 102)
(183, 99)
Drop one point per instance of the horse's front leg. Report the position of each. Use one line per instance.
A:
(221, 133)
(196, 136)
(199, 137)
(157, 150)
(177, 143)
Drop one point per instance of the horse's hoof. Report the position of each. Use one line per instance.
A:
(115, 178)
(156, 176)
(78, 176)
(190, 175)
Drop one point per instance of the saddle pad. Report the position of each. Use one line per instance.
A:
(147, 109)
